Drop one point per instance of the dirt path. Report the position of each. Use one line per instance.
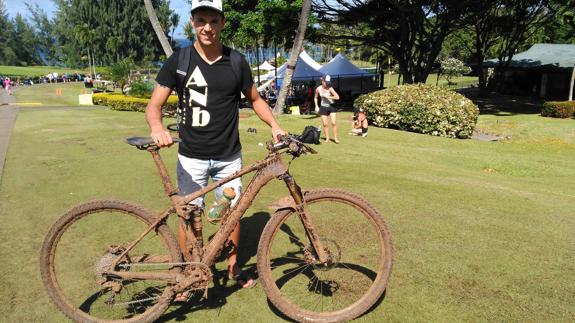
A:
(8, 115)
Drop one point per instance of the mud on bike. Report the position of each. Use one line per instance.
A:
(325, 255)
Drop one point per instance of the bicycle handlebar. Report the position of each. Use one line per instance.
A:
(294, 145)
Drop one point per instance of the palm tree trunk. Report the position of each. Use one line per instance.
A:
(298, 43)
(157, 28)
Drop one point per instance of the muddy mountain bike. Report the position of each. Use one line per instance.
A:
(325, 255)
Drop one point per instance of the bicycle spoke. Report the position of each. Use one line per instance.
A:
(354, 247)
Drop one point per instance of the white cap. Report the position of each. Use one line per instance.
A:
(211, 4)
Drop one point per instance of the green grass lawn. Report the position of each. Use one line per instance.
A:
(483, 231)
(32, 71)
(55, 94)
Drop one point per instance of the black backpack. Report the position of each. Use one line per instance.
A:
(310, 135)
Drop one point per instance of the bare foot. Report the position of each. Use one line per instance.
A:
(336, 141)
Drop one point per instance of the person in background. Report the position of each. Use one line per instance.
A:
(8, 85)
(327, 95)
(359, 124)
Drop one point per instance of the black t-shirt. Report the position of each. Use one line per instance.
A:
(209, 117)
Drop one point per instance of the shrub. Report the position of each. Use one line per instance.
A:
(120, 102)
(141, 89)
(558, 109)
(421, 108)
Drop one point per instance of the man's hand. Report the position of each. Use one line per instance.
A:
(277, 131)
(161, 137)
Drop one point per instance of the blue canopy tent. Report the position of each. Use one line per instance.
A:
(347, 77)
(339, 66)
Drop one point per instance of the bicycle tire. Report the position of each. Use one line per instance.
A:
(282, 233)
(66, 225)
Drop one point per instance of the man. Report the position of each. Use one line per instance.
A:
(209, 116)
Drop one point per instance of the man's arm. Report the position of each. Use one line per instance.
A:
(159, 134)
(264, 112)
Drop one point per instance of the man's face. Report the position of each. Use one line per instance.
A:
(208, 25)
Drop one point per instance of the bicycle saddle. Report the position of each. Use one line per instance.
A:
(139, 141)
(144, 141)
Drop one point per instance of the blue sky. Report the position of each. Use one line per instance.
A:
(19, 6)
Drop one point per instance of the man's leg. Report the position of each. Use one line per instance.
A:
(192, 175)
(220, 170)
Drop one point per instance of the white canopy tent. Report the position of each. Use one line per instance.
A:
(281, 69)
(266, 66)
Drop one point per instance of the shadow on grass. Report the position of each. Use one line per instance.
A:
(503, 104)
(277, 312)
(251, 230)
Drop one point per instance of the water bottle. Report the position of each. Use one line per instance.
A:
(222, 205)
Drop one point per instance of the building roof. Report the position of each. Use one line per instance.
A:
(542, 56)
(340, 66)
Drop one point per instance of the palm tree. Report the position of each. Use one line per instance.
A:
(158, 28)
(174, 20)
(300, 34)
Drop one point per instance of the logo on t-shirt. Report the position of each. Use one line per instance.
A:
(198, 98)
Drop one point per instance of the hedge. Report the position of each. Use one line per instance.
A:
(558, 109)
(421, 108)
(121, 102)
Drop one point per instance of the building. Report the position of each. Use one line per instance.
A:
(544, 70)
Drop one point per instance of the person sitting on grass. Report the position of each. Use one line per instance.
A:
(359, 124)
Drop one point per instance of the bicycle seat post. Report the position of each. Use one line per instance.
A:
(169, 188)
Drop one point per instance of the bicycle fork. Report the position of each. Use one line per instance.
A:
(306, 220)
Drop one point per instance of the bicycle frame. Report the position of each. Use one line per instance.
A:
(267, 169)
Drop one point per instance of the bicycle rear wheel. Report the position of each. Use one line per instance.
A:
(81, 246)
(358, 243)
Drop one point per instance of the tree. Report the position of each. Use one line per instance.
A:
(452, 67)
(7, 54)
(297, 45)
(189, 31)
(120, 72)
(160, 33)
(502, 27)
(412, 31)
(44, 32)
(174, 20)
(86, 35)
(122, 29)
(24, 44)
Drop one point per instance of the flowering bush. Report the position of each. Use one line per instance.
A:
(120, 102)
(561, 109)
(452, 67)
(421, 108)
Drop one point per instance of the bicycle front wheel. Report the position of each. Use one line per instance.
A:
(81, 247)
(359, 246)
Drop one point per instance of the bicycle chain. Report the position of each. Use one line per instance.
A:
(162, 264)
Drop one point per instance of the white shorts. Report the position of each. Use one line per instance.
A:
(193, 175)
